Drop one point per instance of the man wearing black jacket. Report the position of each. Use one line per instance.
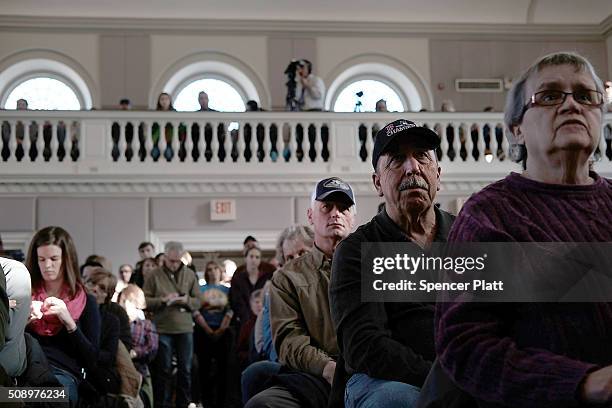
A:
(388, 348)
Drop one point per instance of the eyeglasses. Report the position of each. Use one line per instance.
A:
(551, 97)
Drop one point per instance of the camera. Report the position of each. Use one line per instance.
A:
(291, 103)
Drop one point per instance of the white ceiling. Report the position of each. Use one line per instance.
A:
(592, 12)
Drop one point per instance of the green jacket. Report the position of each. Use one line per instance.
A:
(301, 321)
(174, 318)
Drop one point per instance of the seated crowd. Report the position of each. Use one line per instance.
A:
(295, 331)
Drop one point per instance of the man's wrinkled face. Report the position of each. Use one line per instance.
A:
(331, 219)
(408, 178)
(294, 249)
(173, 261)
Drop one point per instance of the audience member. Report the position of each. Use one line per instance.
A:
(16, 298)
(388, 347)
(249, 277)
(164, 104)
(63, 317)
(104, 375)
(160, 259)
(125, 104)
(538, 354)
(203, 101)
(125, 274)
(303, 331)
(213, 340)
(310, 88)
(22, 104)
(245, 347)
(145, 250)
(172, 294)
(381, 105)
(252, 106)
(292, 243)
(145, 339)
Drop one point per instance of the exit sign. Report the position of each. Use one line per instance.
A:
(222, 210)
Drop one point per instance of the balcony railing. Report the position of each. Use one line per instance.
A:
(117, 143)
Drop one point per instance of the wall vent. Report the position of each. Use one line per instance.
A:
(479, 85)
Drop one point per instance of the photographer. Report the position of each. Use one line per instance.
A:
(310, 91)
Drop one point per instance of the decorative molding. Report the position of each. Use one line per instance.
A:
(575, 32)
(16, 240)
(225, 189)
(213, 240)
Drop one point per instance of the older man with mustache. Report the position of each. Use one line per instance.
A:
(388, 348)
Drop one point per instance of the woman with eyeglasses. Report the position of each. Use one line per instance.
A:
(538, 354)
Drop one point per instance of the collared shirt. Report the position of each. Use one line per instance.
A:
(304, 335)
(311, 97)
(389, 341)
(175, 318)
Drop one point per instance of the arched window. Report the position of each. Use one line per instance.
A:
(362, 95)
(222, 96)
(379, 77)
(47, 80)
(44, 93)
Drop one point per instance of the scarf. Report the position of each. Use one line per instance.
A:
(51, 325)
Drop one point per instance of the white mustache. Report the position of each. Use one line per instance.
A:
(414, 182)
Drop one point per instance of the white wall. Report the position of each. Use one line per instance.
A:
(167, 50)
(80, 48)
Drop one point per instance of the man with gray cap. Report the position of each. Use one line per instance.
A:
(388, 348)
(302, 327)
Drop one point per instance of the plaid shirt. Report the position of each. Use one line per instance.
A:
(145, 342)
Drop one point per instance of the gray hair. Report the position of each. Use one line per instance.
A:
(293, 233)
(173, 246)
(515, 102)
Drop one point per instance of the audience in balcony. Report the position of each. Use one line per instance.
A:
(310, 88)
(125, 104)
(381, 105)
(203, 101)
(63, 317)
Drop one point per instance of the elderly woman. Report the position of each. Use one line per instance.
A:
(538, 355)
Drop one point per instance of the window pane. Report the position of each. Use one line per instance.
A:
(222, 96)
(44, 93)
(372, 92)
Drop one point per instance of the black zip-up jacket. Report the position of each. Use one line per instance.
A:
(388, 341)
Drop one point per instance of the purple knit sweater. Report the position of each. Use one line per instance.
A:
(528, 355)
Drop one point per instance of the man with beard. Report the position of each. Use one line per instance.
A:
(302, 327)
(388, 348)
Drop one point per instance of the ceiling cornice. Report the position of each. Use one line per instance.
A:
(606, 26)
(582, 32)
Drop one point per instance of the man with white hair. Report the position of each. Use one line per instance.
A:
(302, 328)
(172, 294)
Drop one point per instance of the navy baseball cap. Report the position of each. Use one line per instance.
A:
(403, 129)
(333, 185)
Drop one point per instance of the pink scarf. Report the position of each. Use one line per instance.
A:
(51, 325)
